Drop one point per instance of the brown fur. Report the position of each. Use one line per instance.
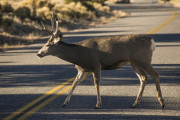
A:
(105, 53)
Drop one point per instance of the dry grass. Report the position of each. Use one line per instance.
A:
(7, 47)
(176, 3)
(111, 1)
(77, 18)
(8, 41)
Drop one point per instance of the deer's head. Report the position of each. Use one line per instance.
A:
(50, 47)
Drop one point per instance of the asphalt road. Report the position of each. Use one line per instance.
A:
(24, 77)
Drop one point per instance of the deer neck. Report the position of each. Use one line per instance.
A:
(68, 52)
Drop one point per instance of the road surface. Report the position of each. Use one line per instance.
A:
(34, 89)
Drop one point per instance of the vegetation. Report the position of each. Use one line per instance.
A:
(0, 19)
(6, 8)
(18, 20)
(176, 3)
(86, 1)
(165, 1)
(6, 13)
(74, 11)
(22, 13)
(7, 22)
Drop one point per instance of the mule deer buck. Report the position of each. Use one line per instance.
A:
(104, 53)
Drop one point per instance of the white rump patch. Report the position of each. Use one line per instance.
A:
(153, 45)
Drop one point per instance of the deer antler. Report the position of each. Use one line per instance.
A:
(43, 28)
(52, 23)
(57, 25)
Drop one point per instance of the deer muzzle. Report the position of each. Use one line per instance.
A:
(40, 55)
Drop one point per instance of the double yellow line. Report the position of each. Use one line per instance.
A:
(170, 19)
(67, 88)
(27, 114)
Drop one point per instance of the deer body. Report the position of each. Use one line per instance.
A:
(105, 53)
(109, 52)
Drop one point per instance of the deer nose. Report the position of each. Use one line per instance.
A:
(40, 55)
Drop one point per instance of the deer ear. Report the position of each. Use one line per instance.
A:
(60, 35)
(57, 40)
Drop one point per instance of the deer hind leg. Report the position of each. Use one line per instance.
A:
(142, 77)
(97, 76)
(79, 78)
(155, 76)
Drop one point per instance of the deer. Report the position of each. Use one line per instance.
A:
(92, 55)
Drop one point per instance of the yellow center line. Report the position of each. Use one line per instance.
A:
(19, 111)
(156, 29)
(29, 113)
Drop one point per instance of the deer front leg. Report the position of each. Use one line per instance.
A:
(79, 78)
(96, 76)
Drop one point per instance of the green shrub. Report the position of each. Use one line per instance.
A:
(0, 15)
(99, 1)
(22, 13)
(7, 22)
(89, 6)
(85, 1)
(44, 12)
(6, 8)
(0, 19)
(72, 12)
(44, 3)
(166, 0)
(0, 7)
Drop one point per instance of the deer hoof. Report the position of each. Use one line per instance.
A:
(162, 103)
(135, 105)
(162, 106)
(65, 104)
(97, 107)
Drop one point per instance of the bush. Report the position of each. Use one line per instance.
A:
(39, 8)
(85, 1)
(99, 1)
(100, 8)
(73, 12)
(0, 19)
(0, 15)
(6, 14)
(89, 6)
(6, 8)
(7, 22)
(166, 0)
(0, 7)
(22, 13)
(43, 12)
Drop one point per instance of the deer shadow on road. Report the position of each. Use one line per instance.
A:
(45, 75)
